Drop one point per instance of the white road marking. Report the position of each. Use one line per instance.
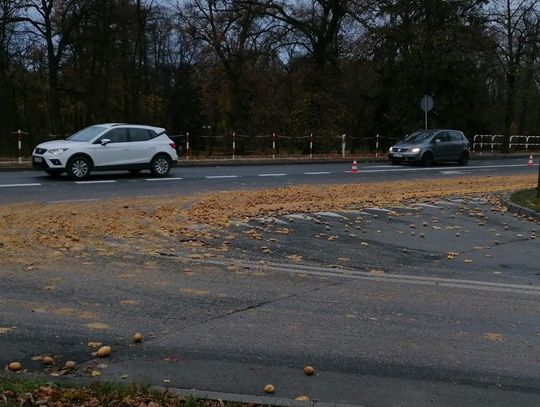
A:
(163, 179)
(104, 181)
(426, 205)
(220, 176)
(271, 175)
(317, 173)
(19, 185)
(451, 172)
(377, 209)
(330, 215)
(364, 170)
(395, 278)
(74, 200)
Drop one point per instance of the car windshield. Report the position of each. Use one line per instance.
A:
(418, 137)
(86, 134)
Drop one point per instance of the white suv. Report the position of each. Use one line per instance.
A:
(104, 147)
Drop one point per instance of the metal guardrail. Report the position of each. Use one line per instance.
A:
(307, 140)
(483, 142)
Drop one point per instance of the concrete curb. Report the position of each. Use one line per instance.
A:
(199, 394)
(245, 398)
(241, 162)
(520, 210)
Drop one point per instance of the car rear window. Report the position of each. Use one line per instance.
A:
(455, 136)
(141, 134)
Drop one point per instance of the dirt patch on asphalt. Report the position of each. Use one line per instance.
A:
(34, 232)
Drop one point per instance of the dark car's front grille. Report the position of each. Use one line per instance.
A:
(41, 150)
(399, 150)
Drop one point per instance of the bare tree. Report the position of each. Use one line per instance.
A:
(508, 22)
(53, 21)
(233, 36)
(317, 23)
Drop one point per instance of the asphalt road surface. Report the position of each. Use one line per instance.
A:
(429, 304)
(38, 186)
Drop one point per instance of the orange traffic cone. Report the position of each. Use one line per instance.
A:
(530, 163)
(354, 168)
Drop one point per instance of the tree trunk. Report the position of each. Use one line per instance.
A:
(509, 111)
(55, 114)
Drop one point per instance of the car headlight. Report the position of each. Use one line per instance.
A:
(415, 150)
(57, 150)
(391, 149)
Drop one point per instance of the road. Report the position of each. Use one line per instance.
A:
(434, 303)
(37, 186)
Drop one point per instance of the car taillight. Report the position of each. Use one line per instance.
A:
(173, 145)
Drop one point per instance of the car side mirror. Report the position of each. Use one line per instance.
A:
(105, 141)
(437, 141)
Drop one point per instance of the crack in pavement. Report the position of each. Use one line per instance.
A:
(254, 306)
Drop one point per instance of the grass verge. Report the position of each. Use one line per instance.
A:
(21, 392)
(526, 198)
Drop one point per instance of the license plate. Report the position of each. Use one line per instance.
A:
(398, 155)
(38, 159)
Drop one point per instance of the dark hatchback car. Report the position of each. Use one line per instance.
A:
(429, 146)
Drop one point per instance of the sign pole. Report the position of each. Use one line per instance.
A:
(426, 104)
(425, 112)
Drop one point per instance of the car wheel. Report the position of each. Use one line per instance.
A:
(396, 162)
(463, 158)
(160, 165)
(54, 173)
(427, 159)
(78, 168)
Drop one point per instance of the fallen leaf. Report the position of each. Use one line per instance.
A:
(295, 257)
(494, 337)
(94, 344)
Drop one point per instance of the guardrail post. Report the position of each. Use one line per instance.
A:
(538, 186)
(19, 134)
(273, 145)
(311, 145)
(343, 146)
(19, 145)
(234, 145)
